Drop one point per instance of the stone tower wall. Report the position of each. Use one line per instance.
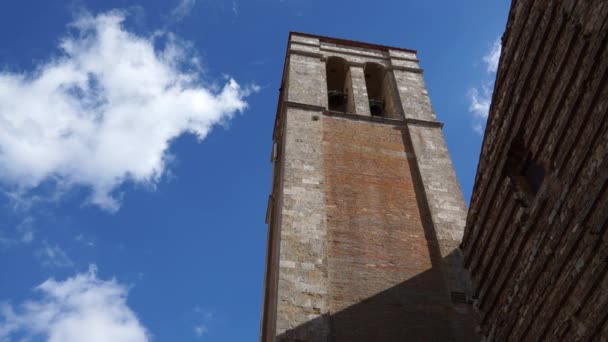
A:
(366, 212)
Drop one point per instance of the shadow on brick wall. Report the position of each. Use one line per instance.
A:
(415, 310)
(418, 309)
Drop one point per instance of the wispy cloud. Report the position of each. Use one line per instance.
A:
(81, 308)
(200, 330)
(22, 233)
(23, 203)
(235, 8)
(204, 317)
(53, 256)
(25, 229)
(182, 10)
(202, 312)
(480, 97)
(106, 110)
(80, 238)
(493, 56)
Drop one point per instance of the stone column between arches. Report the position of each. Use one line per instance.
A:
(359, 89)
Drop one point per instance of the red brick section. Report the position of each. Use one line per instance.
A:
(382, 284)
(540, 264)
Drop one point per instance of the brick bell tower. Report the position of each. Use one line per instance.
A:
(365, 214)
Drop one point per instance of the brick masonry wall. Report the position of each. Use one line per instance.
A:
(367, 213)
(539, 261)
(382, 283)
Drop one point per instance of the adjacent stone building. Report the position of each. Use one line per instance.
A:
(536, 239)
(365, 215)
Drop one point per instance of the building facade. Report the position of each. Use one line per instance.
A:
(536, 239)
(365, 215)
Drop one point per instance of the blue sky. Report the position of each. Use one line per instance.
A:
(134, 151)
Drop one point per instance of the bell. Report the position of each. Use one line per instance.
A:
(376, 107)
(336, 98)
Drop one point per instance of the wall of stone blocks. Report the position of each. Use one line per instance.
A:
(539, 260)
(350, 102)
(368, 212)
(359, 92)
(302, 280)
(392, 104)
(438, 179)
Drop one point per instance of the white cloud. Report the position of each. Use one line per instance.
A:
(85, 240)
(206, 314)
(106, 110)
(493, 56)
(478, 127)
(480, 98)
(26, 230)
(23, 232)
(235, 8)
(480, 102)
(22, 202)
(182, 10)
(204, 318)
(53, 256)
(81, 308)
(28, 236)
(5, 240)
(200, 330)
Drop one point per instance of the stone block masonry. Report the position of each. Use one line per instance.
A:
(302, 284)
(366, 214)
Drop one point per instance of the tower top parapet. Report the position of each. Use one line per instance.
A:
(349, 42)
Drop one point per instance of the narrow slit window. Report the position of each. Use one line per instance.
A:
(534, 175)
(527, 173)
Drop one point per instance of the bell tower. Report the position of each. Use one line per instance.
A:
(365, 215)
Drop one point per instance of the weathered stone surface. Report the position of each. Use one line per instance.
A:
(414, 96)
(357, 79)
(366, 214)
(302, 286)
(538, 258)
(306, 80)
